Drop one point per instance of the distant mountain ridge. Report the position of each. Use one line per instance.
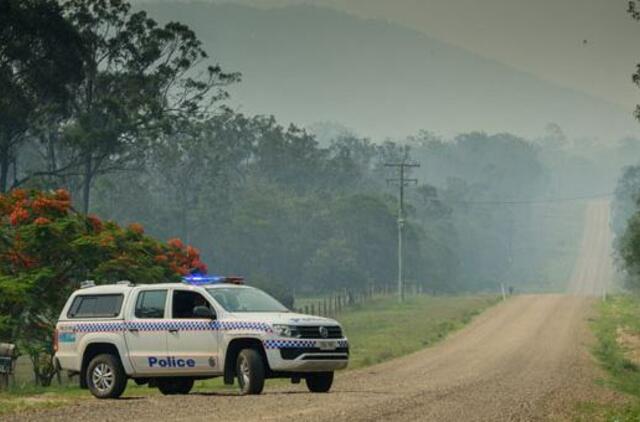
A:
(307, 64)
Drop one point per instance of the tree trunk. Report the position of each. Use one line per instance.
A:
(4, 168)
(86, 183)
(14, 164)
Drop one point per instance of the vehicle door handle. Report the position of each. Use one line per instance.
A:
(173, 330)
(133, 330)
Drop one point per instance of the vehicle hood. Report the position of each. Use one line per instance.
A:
(288, 318)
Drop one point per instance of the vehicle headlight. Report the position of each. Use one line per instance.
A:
(285, 330)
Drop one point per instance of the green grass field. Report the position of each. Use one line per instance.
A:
(619, 312)
(380, 330)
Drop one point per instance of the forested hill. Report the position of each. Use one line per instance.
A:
(307, 64)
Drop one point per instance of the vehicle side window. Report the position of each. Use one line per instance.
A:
(151, 304)
(95, 306)
(184, 302)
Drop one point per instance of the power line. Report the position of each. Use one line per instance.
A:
(531, 201)
(402, 181)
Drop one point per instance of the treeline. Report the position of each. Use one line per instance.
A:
(297, 217)
(269, 203)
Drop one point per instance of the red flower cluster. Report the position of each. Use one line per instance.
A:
(21, 206)
(101, 241)
(183, 259)
(95, 223)
(136, 228)
(19, 194)
(63, 195)
(176, 243)
(43, 205)
(18, 216)
(42, 221)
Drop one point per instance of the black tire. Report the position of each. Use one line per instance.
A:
(320, 382)
(250, 371)
(105, 377)
(172, 386)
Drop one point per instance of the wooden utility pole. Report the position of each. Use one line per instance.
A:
(402, 182)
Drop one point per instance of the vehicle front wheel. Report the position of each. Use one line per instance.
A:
(250, 371)
(320, 382)
(172, 386)
(105, 377)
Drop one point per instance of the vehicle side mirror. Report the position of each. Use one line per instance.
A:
(203, 312)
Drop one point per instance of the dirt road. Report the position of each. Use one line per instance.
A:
(594, 268)
(525, 359)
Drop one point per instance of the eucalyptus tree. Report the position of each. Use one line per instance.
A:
(41, 61)
(140, 79)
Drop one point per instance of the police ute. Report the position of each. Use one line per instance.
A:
(169, 335)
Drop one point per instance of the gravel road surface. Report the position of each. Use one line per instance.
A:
(525, 359)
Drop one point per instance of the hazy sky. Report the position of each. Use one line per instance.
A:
(543, 37)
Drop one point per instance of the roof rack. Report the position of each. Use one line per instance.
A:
(87, 283)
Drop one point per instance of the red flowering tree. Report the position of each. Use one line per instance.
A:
(46, 249)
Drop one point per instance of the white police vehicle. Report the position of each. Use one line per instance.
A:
(168, 335)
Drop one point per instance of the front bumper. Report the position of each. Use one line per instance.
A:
(291, 355)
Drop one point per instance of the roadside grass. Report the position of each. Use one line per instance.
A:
(623, 375)
(379, 330)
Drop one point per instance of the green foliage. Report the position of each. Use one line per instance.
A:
(629, 251)
(620, 312)
(333, 266)
(626, 199)
(40, 62)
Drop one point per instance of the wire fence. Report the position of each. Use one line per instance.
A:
(334, 303)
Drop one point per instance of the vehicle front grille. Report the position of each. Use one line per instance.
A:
(291, 353)
(334, 331)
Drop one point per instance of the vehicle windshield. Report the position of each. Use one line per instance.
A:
(246, 299)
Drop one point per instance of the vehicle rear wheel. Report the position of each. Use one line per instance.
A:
(172, 386)
(250, 371)
(105, 377)
(320, 382)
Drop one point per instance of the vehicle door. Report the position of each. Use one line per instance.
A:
(146, 331)
(192, 341)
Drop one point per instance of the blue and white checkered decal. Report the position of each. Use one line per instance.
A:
(163, 325)
(287, 344)
(99, 327)
(284, 344)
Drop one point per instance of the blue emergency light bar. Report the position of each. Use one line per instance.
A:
(203, 280)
